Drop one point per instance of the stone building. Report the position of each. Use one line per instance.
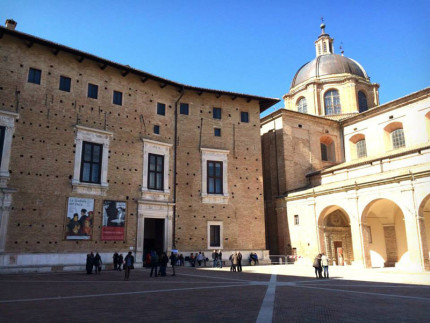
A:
(91, 151)
(345, 175)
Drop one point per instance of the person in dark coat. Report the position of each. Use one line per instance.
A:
(89, 264)
(173, 261)
(154, 263)
(239, 261)
(128, 265)
(97, 263)
(120, 261)
(115, 261)
(317, 266)
(163, 264)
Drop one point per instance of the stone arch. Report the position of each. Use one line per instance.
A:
(328, 149)
(335, 235)
(424, 225)
(384, 234)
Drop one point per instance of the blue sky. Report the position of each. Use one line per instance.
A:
(252, 47)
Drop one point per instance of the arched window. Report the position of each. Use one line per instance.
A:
(328, 151)
(398, 138)
(361, 148)
(362, 102)
(332, 103)
(358, 147)
(302, 106)
(324, 155)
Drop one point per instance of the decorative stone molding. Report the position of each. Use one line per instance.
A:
(7, 120)
(221, 234)
(157, 148)
(210, 154)
(95, 136)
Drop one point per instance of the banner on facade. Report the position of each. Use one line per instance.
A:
(113, 225)
(80, 216)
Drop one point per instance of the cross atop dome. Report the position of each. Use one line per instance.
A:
(324, 43)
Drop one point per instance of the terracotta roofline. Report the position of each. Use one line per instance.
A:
(264, 102)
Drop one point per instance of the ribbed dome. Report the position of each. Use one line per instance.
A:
(327, 65)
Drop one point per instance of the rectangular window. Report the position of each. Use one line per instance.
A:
(324, 155)
(155, 172)
(214, 181)
(216, 113)
(2, 133)
(217, 132)
(34, 75)
(361, 148)
(183, 108)
(91, 162)
(296, 220)
(117, 98)
(157, 130)
(398, 138)
(161, 109)
(244, 117)
(215, 235)
(93, 91)
(65, 83)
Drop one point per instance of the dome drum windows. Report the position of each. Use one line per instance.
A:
(362, 102)
(302, 105)
(332, 103)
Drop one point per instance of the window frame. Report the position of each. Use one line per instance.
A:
(361, 148)
(156, 172)
(161, 109)
(214, 177)
(61, 86)
(398, 141)
(244, 116)
(302, 105)
(323, 145)
(34, 75)
(97, 136)
(115, 97)
(217, 132)
(210, 154)
(332, 108)
(296, 219)
(156, 129)
(7, 121)
(91, 163)
(184, 107)
(362, 99)
(217, 113)
(210, 245)
(93, 88)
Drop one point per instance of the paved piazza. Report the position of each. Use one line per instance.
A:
(286, 293)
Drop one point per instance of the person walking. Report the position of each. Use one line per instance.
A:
(220, 259)
(173, 261)
(120, 261)
(128, 265)
(317, 266)
(97, 263)
(115, 261)
(324, 264)
(163, 264)
(154, 263)
(89, 265)
(239, 262)
(214, 258)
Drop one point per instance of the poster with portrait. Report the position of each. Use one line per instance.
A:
(80, 216)
(113, 225)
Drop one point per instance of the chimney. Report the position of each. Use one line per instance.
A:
(10, 24)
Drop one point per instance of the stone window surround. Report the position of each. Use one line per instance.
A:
(214, 155)
(221, 232)
(95, 136)
(7, 120)
(157, 148)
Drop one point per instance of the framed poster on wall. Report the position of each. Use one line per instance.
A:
(80, 216)
(114, 213)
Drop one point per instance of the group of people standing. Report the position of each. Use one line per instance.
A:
(93, 262)
(217, 259)
(321, 262)
(236, 262)
(199, 258)
(161, 261)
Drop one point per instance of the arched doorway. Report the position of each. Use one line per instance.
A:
(384, 234)
(424, 217)
(335, 235)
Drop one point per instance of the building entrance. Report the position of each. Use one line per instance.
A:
(153, 237)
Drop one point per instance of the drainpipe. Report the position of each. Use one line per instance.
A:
(175, 148)
(417, 219)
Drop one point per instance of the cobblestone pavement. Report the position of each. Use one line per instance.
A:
(288, 293)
